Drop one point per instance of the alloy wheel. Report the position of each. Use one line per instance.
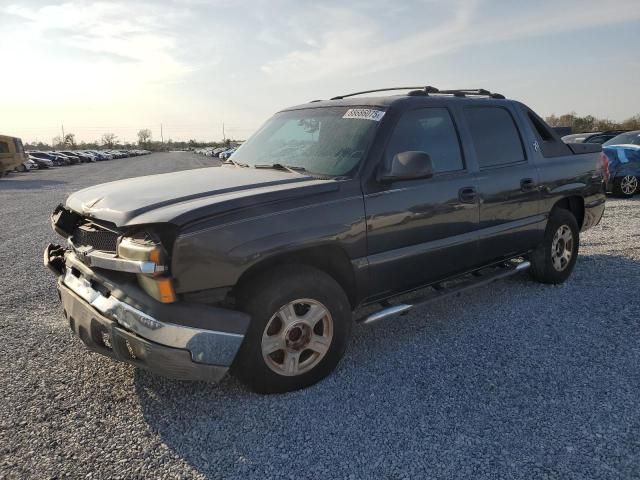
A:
(297, 337)
(562, 248)
(629, 185)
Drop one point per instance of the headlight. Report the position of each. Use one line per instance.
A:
(144, 247)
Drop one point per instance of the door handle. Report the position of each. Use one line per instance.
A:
(527, 184)
(467, 195)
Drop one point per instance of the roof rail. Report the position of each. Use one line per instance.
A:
(481, 92)
(425, 91)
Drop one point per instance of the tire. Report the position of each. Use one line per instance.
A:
(626, 187)
(549, 262)
(21, 168)
(278, 303)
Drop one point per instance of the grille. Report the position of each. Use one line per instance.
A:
(93, 236)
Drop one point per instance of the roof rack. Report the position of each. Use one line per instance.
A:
(479, 92)
(425, 91)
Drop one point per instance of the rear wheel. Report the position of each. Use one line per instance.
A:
(300, 327)
(554, 259)
(626, 186)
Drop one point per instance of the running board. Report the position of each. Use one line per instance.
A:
(477, 279)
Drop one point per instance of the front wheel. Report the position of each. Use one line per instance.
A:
(626, 186)
(300, 327)
(554, 259)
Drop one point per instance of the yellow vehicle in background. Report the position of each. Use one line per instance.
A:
(12, 154)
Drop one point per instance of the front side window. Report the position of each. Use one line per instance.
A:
(495, 136)
(323, 141)
(428, 130)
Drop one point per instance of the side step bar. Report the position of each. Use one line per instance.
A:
(477, 279)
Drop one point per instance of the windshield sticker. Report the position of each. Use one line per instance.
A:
(364, 114)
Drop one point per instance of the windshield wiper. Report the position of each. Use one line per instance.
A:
(238, 164)
(280, 166)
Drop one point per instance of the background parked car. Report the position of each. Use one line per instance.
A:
(70, 159)
(41, 161)
(217, 151)
(101, 156)
(12, 154)
(27, 166)
(227, 153)
(623, 152)
(89, 156)
(81, 158)
(592, 137)
(57, 161)
(59, 158)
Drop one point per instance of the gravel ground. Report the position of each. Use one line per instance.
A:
(513, 380)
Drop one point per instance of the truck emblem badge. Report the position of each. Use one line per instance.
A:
(536, 146)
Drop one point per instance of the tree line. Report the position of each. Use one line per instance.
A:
(589, 123)
(111, 141)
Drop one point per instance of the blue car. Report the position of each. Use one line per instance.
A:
(623, 153)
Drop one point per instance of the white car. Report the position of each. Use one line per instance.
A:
(27, 166)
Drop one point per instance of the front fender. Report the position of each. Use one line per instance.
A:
(217, 256)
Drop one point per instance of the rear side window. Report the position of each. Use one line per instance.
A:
(429, 130)
(495, 136)
(551, 145)
(541, 130)
(4, 147)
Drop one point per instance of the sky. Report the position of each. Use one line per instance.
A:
(194, 65)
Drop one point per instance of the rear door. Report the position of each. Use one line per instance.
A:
(419, 231)
(511, 220)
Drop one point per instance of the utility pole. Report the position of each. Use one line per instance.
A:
(224, 137)
(62, 139)
(161, 135)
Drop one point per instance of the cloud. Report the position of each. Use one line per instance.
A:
(354, 47)
(113, 32)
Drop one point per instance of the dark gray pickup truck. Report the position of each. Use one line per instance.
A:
(259, 265)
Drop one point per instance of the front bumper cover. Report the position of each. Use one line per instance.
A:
(113, 327)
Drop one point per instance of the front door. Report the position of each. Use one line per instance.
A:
(420, 231)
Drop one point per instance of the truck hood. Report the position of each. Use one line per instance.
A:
(181, 197)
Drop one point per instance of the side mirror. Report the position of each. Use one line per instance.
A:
(407, 166)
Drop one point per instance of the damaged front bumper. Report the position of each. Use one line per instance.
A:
(114, 317)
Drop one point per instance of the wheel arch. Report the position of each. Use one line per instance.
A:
(575, 205)
(330, 259)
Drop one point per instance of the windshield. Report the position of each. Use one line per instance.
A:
(629, 138)
(323, 141)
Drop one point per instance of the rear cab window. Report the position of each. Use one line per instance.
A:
(4, 147)
(430, 130)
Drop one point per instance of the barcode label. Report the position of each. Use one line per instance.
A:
(364, 114)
